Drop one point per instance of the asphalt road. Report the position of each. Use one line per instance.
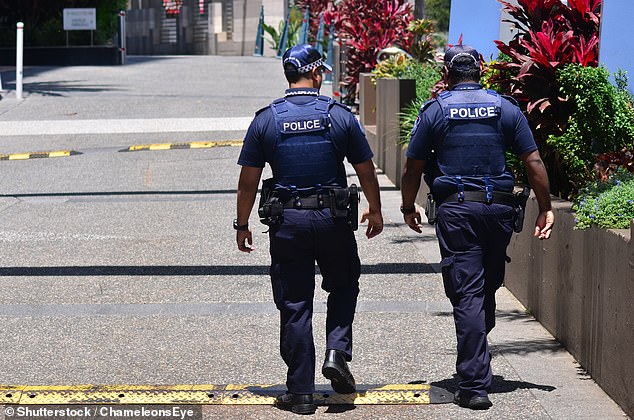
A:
(120, 267)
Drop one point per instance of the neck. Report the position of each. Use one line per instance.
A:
(464, 82)
(302, 84)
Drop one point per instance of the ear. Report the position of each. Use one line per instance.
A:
(315, 74)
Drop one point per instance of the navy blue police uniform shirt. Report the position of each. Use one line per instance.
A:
(431, 127)
(345, 131)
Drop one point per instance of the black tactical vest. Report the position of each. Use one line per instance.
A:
(304, 154)
(474, 144)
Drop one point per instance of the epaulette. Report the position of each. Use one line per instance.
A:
(511, 100)
(444, 94)
(259, 111)
(339, 104)
(427, 105)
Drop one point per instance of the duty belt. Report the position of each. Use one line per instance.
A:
(310, 202)
(481, 197)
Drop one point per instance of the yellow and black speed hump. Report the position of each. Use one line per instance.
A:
(235, 394)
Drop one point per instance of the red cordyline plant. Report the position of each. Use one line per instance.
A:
(550, 36)
(315, 9)
(366, 27)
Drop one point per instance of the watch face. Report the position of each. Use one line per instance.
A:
(236, 226)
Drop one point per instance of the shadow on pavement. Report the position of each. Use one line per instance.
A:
(498, 386)
(191, 270)
(8, 72)
(59, 88)
(528, 346)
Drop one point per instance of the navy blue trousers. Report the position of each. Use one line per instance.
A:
(307, 236)
(473, 238)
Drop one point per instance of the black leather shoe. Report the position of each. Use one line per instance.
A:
(336, 369)
(296, 403)
(476, 402)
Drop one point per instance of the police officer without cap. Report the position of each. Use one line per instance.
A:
(459, 142)
(305, 137)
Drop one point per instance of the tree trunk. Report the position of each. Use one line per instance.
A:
(419, 9)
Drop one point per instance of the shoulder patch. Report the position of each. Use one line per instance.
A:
(511, 100)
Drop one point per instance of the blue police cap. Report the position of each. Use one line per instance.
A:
(456, 52)
(303, 59)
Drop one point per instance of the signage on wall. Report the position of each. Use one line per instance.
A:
(80, 19)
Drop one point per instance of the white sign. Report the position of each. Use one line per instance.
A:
(80, 19)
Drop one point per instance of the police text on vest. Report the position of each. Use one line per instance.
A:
(302, 125)
(473, 113)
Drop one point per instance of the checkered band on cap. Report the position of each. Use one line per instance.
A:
(463, 54)
(309, 67)
(304, 58)
(458, 51)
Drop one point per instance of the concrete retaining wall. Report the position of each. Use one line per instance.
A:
(579, 284)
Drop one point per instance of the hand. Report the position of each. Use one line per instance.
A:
(414, 220)
(244, 240)
(544, 224)
(375, 223)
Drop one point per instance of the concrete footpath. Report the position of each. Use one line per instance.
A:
(121, 268)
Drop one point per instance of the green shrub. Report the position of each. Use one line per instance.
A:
(607, 204)
(43, 21)
(292, 36)
(602, 121)
(438, 11)
(426, 76)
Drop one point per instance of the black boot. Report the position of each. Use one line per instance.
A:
(296, 403)
(475, 402)
(336, 369)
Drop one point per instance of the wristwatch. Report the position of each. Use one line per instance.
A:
(408, 210)
(236, 226)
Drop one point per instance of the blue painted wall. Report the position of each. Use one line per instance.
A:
(617, 31)
(479, 23)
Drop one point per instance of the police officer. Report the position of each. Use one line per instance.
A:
(305, 137)
(459, 142)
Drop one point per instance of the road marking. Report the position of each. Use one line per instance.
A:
(186, 145)
(38, 155)
(120, 126)
(233, 394)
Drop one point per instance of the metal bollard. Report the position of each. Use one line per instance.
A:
(122, 37)
(19, 58)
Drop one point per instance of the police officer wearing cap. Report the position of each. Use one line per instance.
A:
(459, 142)
(305, 138)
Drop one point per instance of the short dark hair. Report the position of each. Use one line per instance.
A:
(463, 70)
(290, 71)
(292, 76)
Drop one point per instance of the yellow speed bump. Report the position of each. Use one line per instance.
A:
(187, 145)
(234, 394)
(37, 155)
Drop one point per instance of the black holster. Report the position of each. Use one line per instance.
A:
(270, 208)
(520, 208)
(431, 209)
(345, 205)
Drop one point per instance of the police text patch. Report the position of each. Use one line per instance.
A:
(303, 125)
(472, 111)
